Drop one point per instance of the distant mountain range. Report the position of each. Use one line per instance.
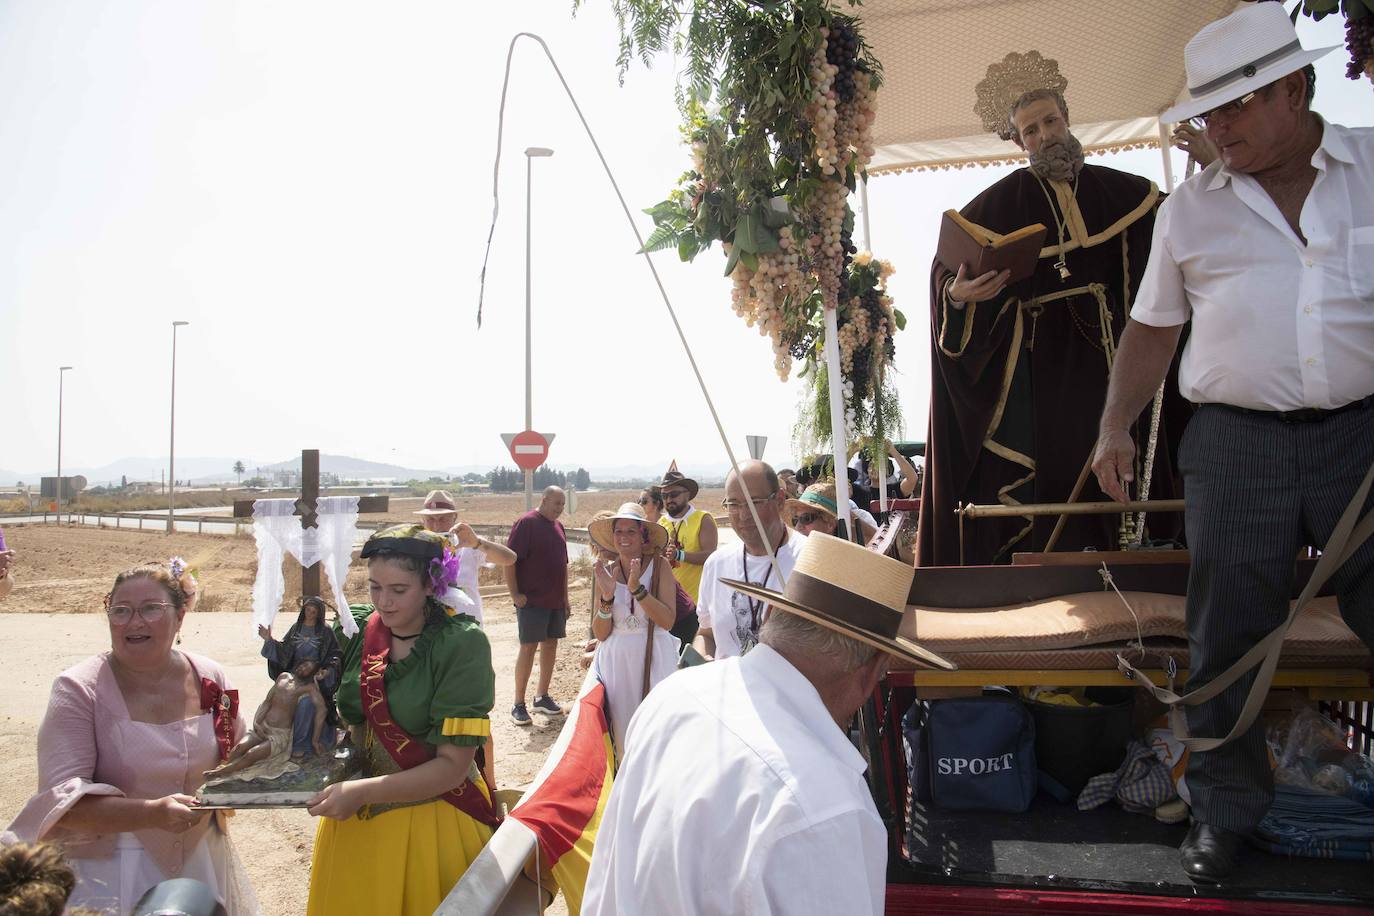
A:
(206, 471)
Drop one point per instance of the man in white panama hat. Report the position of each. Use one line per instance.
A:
(1269, 252)
(780, 820)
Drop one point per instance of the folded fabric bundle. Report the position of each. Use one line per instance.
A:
(1141, 784)
(1305, 823)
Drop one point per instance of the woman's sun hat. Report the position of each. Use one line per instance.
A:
(1238, 54)
(438, 502)
(819, 497)
(602, 530)
(851, 590)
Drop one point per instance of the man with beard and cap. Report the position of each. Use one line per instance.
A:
(1019, 371)
(692, 535)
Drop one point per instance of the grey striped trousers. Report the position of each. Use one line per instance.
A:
(1258, 489)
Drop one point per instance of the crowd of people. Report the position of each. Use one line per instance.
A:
(1265, 255)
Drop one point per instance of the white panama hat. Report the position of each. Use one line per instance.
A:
(849, 589)
(1238, 54)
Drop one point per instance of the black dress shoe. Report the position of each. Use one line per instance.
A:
(1209, 853)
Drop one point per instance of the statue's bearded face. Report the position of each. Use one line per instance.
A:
(1042, 129)
(1058, 160)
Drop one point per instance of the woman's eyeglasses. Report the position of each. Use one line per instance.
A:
(151, 612)
(806, 518)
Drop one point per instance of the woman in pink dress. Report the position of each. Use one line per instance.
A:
(125, 741)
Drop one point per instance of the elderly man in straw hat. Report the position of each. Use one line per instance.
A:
(440, 514)
(781, 821)
(1269, 253)
(1018, 370)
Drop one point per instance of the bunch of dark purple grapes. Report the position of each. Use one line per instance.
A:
(842, 51)
(1359, 40)
(847, 243)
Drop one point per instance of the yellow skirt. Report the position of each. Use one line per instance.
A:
(401, 863)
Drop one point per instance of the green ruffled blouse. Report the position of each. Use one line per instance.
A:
(442, 691)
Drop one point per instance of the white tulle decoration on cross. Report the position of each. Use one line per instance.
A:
(277, 530)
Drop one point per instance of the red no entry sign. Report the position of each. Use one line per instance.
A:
(529, 449)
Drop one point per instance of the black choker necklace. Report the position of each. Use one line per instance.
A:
(396, 635)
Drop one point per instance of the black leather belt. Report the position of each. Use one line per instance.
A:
(1305, 414)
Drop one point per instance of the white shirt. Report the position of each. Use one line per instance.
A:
(1276, 325)
(734, 618)
(780, 821)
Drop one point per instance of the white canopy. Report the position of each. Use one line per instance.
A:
(1123, 60)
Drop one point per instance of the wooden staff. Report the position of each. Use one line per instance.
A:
(1000, 511)
(1073, 498)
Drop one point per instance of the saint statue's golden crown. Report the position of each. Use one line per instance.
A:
(1010, 79)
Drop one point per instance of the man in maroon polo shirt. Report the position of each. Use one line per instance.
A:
(538, 583)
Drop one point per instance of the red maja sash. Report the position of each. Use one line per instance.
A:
(405, 749)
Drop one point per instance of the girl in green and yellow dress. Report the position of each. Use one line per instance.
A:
(416, 690)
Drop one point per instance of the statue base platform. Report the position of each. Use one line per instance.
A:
(289, 790)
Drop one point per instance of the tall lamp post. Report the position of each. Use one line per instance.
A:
(531, 153)
(61, 375)
(172, 446)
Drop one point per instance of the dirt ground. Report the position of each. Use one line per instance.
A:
(50, 622)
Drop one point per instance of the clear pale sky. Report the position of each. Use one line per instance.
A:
(309, 185)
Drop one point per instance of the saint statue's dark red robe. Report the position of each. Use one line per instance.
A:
(1018, 381)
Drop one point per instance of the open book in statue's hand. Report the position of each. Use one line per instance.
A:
(962, 242)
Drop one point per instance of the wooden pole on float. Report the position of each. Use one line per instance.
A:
(838, 443)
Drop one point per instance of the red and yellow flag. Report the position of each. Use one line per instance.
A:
(564, 804)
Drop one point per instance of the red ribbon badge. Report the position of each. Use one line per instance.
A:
(224, 704)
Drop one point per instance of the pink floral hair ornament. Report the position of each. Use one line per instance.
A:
(185, 576)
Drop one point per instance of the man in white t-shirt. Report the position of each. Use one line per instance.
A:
(730, 620)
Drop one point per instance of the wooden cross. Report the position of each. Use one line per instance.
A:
(305, 509)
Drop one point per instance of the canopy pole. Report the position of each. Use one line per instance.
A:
(1164, 147)
(838, 443)
(868, 246)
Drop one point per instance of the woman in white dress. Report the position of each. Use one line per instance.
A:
(635, 609)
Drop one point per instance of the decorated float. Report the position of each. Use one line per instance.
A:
(789, 109)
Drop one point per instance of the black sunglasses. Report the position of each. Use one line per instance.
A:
(806, 518)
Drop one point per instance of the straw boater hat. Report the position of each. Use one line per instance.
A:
(1238, 54)
(438, 502)
(851, 590)
(818, 496)
(674, 478)
(602, 530)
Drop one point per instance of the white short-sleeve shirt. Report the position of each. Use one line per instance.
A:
(1276, 324)
(734, 618)
(779, 822)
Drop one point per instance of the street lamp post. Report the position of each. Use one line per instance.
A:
(172, 446)
(61, 375)
(531, 153)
